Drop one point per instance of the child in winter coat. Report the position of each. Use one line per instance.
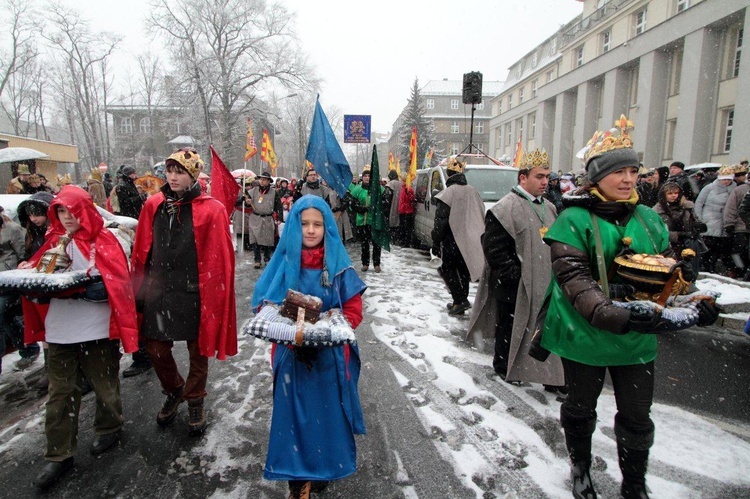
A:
(316, 409)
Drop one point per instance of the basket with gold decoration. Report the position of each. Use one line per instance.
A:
(654, 277)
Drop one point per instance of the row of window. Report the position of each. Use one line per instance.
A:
(509, 137)
(478, 128)
(430, 104)
(454, 148)
(126, 125)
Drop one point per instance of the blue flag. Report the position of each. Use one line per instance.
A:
(325, 154)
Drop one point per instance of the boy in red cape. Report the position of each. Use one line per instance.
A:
(81, 332)
(183, 265)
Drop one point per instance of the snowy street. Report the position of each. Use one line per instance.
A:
(440, 423)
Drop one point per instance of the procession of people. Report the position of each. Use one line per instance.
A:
(537, 253)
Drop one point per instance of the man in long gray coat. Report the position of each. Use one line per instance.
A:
(265, 203)
(516, 276)
(394, 186)
(456, 236)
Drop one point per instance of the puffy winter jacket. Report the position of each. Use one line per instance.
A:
(709, 207)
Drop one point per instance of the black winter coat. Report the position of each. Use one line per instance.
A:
(131, 201)
(443, 241)
(499, 249)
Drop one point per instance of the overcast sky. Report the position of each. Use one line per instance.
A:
(369, 54)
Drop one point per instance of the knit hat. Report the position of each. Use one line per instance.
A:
(188, 159)
(126, 171)
(23, 169)
(610, 151)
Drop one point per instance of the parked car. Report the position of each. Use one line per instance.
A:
(492, 181)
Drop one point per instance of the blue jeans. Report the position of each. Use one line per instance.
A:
(11, 328)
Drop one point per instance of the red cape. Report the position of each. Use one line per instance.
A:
(217, 334)
(109, 258)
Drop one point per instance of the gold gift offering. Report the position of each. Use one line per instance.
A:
(654, 277)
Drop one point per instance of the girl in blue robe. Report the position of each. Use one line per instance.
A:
(316, 408)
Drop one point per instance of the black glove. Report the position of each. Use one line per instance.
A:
(708, 313)
(299, 185)
(643, 321)
(729, 229)
(306, 355)
(620, 291)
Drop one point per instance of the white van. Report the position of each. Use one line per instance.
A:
(492, 181)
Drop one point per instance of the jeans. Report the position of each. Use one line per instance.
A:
(168, 374)
(634, 394)
(99, 361)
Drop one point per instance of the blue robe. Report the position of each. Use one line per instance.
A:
(317, 412)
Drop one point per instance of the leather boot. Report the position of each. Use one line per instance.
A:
(633, 490)
(52, 472)
(196, 417)
(299, 489)
(580, 475)
(633, 465)
(169, 410)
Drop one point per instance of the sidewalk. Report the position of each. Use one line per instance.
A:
(735, 299)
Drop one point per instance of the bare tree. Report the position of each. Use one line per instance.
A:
(18, 29)
(85, 71)
(232, 50)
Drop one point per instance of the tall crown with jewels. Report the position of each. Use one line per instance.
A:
(537, 158)
(602, 142)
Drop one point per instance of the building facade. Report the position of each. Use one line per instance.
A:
(674, 67)
(442, 102)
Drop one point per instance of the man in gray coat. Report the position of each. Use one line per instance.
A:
(516, 276)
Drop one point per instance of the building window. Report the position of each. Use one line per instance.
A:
(550, 76)
(669, 143)
(429, 104)
(145, 125)
(534, 84)
(578, 54)
(519, 128)
(519, 70)
(728, 125)
(633, 87)
(126, 125)
(520, 94)
(454, 127)
(534, 60)
(737, 53)
(480, 147)
(510, 101)
(639, 22)
(675, 70)
(498, 137)
(682, 5)
(532, 125)
(479, 128)
(480, 106)
(508, 134)
(454, 103)
(606, 41)
(454, 149)
(553, 47)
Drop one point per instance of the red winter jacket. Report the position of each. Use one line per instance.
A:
(109, 259)
(406, 201)
(217, 334)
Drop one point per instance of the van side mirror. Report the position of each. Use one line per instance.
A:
(435, 192)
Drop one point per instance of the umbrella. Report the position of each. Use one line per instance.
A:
(13, 154)
(243, 172)
(701, 166)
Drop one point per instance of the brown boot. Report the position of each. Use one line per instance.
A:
(197, 417)
(169, 409)
(299, 490)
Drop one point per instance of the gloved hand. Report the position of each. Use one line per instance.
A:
(643, 321)
(619, 291)
(708, 313)
(645, 317)
(729, 229)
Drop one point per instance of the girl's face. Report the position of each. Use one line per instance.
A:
(618, 186)
(313, 228)
(38, 220)
(672, 195)
(68, 220)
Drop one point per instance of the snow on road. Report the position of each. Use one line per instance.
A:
(506, 440)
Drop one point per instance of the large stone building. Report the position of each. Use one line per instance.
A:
(674, 67)
(452, 118)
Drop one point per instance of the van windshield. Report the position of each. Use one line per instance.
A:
(492, 184)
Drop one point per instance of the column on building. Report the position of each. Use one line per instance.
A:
(653, 83)
(694, 135)
(741, 127)
(562, 144)
(616, 96)
(545, 124)
(587, 113)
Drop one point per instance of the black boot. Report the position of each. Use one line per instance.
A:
(633, 465)
(580, 475)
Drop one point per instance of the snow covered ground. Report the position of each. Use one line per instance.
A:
(506, 439)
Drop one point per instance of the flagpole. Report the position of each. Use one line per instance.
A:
(242, 231)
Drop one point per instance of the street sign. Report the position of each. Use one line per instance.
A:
(357, 129)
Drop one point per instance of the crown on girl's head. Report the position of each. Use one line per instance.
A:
(455, 165)
(537, 158)
(603, 142)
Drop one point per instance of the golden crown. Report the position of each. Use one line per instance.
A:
(455, 165)
(537, 158)
(739, 169)
(603, 142)
(725, 171)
